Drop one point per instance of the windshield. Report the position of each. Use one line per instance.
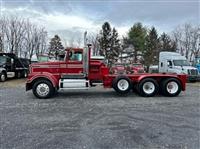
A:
(2, 60)
(181, 63)
(77, 56)
(198, 60)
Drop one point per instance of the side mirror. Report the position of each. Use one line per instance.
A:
(70, 53)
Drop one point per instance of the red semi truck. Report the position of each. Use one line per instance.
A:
(79, 71)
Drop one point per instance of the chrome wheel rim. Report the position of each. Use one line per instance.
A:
(148, 87)
(123, 85)
(172, 87)
(42, 90)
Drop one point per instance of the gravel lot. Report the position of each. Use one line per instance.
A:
(98, 118)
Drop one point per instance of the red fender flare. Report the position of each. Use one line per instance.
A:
(46, 75)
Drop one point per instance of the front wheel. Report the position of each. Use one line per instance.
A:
(3, 77)
(43, 89)
(170, 87)
(148, 87)
(25, 74)
(122, 85)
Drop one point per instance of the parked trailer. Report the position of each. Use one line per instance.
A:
(79, 71)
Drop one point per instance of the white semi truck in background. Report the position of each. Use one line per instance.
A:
(172, 62)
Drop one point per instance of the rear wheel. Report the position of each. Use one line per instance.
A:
(170, 87)
(43, 89)
(3, 77)
(122, 85)
(148, 87)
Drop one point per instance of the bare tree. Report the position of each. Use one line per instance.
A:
(93, 39)
(2, 34)
(14, 33)
(177, 36)
(71, 42)
(20, 36)
(78, 42)
(195, 42)
(187, 38)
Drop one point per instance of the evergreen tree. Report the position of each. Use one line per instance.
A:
(109, 43)
(55, 47)
(166, 43)
(105, 39)
(136, 37)
(115, 45)
(151, 52)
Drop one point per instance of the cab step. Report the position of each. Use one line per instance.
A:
(74, 84)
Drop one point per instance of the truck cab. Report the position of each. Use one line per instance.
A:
(172, 62)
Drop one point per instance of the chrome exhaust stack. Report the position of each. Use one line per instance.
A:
(86, 56)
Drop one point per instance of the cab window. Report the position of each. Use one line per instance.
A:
(75, 56)
(3, 59)
(169, 63)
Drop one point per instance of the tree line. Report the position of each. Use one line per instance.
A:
(146, 43)
(24, 38)
(20, 36)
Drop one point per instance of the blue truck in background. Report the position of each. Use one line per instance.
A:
(197, 63)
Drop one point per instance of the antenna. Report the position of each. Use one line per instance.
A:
(85, 38)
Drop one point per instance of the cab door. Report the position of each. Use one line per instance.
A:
(170, 68)
(75, 62)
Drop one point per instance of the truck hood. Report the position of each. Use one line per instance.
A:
(185, 67)
(46, 64)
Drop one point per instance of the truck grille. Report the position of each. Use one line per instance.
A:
(193, 72)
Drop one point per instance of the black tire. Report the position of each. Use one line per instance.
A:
(148, 87)
(125, 85)
(165, 90)
(18, 75)
(192, 81)
(3, 77)
(135, 88)
(25, 74)
(41, 85)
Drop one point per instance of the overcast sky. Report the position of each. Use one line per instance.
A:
(70, 19)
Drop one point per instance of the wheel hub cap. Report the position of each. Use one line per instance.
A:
(123, 84)
(172, 87)
(42, 89)
(148, 87)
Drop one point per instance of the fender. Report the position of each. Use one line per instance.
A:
(2, 69)
(51, 77)
(156, 76)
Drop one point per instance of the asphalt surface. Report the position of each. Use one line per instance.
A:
(98, 118)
